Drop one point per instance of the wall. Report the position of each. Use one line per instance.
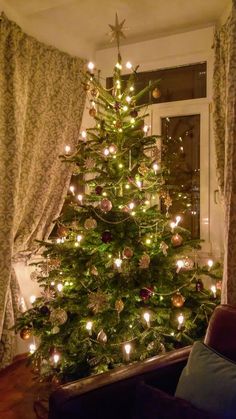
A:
(170, 51)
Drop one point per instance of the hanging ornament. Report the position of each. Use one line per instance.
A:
(55, 330)
(167, 201)
(62, 231)
(92, 112)
(134, 113)
(90, 223)
(44, 310)
(156, 93)
(106, 236)
(58, 316)
(102, 337)
(94, 271)
(106, 205)
(97, 301)
(176, 240)
(119, 306)
(86, 86)
(94, 92)
(146, 293)
(89, 163)
(188, 263)
(25, 333)
(98, 190)
(127, 253)
(144, 261)
(178, 300)
(199, 285)
(113, 149)
(143, 169)
(164, 247)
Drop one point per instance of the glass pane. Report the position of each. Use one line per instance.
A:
(181, 144)
(178, 83)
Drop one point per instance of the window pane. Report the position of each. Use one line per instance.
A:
(178, 83)
(181, 143)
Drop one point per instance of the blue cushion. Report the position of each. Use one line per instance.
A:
(209, 382)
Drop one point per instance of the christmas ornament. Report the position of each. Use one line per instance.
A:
(164, 247)
(127, 253)
(92, 112)
(119, 306)
(176, 240)
(199, 285)
(94, 271)
(86, 86)
(102, 337)
(62, 231)
(106, 236)
(89, 163)
(44, 310)
(146, 293)
(55, 330)
(156, 93)
(178, 300)
(97, 301)
(113, 149)
(98, 190)
(90, 223)
(25, 333)
(134, 113)
(144, 261)
(143, 169)
(94, 92)
(106, 205)
(117, 31)
(188, 263)
(58, 316)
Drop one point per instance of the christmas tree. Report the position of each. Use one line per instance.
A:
(122, 281)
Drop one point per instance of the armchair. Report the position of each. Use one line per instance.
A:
(97, 396)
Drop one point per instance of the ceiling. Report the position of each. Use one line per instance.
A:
(80, 27)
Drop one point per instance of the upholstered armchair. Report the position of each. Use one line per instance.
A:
(112, 394)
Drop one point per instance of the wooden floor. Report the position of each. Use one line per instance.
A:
(20, 394)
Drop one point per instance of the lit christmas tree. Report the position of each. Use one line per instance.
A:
(122, 280)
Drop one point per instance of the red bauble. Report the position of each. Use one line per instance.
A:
(106, 236)
(98, 190)
(146, 293)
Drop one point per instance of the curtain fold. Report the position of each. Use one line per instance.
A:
(42, 102)
(225, 141)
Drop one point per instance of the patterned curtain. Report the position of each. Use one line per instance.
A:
(225, 137)
(42, 102)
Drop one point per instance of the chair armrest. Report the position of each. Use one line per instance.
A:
(97, 396)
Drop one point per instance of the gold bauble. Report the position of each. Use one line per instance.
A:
(188, 263)
(156, 93)
(178, 300)
(58, 316)
(62, 231)
(176, 240)
(92, 112)
(25, 333)
(90, 223)
(102, 337)
(119, 306)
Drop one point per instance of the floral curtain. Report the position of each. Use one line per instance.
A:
(42, 102)
(225, 137)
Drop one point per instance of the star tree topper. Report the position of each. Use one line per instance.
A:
(116, 31)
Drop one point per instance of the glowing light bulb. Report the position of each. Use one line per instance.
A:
(148, 241)
(79, 238)
(119, 66)
(131, 88)
(213, 290)
(127, 186)
(59, 287)
(118, 262)
(72, 189)
(32, 348)
(131, 205)
(139, 184)
(132, 120)
(32, 299)
(155, 167)
(127, 349)
(125, 108)
(146, 317)
(59, 241)
(172, 225)
(120, 165)
(147, 202)
(56, 358)
(128, 99)
(210, 263)
(178, 219)
(180, 265)
(89, 326)
(80, 198)
(180, 319)
(91, 66)
(145, 129)
(84, 134)
(67, 149)
(106, 152)
(128, 65)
